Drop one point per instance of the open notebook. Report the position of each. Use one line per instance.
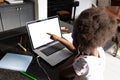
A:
(15, 62)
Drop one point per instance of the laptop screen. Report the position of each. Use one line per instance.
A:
(38, 30)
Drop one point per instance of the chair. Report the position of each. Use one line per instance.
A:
(63, 9)
(114, 11)
(117, 42)
(115, 2)
(66, 15)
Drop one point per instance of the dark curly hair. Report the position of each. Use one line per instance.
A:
(92, 29)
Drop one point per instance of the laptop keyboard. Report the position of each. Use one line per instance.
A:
(52, 49)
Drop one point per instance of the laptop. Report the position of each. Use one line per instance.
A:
(53, 52)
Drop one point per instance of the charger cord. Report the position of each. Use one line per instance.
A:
(42, 67)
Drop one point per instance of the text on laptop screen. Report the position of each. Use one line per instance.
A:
(38, 31)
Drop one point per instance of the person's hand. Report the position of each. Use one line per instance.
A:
(54, 37)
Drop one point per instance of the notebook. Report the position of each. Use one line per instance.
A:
(51, 51)
(15, 62)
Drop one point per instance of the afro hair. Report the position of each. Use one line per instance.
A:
(93, 28)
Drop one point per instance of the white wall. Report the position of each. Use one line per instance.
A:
(40, 9)
(84, 4)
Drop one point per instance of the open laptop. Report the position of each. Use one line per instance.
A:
(51, 51)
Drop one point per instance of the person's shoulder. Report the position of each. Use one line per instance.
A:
(81, 66)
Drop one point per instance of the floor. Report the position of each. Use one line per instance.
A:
(112, 70)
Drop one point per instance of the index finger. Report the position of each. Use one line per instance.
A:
(49, 33)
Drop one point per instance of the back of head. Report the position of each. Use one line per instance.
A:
(93, 28)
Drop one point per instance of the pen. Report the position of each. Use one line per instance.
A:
(22, 47)
(29, 76)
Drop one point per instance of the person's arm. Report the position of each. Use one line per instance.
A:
(68, 44)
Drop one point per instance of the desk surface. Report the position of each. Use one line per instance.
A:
(10, 45)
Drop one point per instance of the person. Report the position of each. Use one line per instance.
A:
(91, 30)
